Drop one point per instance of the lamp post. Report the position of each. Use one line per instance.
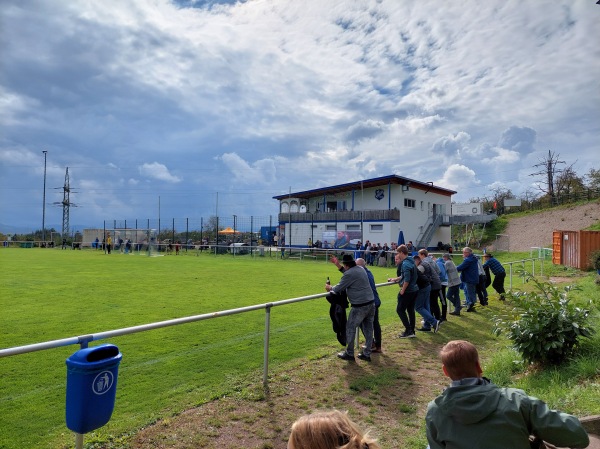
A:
(44, 201)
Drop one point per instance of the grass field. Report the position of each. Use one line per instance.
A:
(52, 294)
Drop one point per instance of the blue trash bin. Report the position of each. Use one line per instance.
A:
(91, 387)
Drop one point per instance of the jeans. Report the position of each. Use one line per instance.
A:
(470, 294)
(376, 329)
(360, 317)
(406, 310)
(453, 295)
(422, 306)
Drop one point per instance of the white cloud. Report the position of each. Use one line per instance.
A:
(288, 93)
(459, 178)
(502, 157)
(259, 172)
(158, 171)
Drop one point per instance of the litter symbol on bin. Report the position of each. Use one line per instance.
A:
(103, 382)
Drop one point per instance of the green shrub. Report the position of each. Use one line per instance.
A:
(544, 325)
(595, 259)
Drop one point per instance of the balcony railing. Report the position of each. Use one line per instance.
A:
(347, 215)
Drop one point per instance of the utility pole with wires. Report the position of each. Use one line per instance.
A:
(66, 204)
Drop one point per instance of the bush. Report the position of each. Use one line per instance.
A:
(595, 259)
(544, 325)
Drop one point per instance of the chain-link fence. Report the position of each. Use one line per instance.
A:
(186, 233)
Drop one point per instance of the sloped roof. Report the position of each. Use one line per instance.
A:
(368, 183)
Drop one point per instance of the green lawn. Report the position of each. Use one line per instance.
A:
(52, 294)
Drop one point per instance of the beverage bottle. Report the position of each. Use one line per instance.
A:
(328, 282)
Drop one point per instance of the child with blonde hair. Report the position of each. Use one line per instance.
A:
(328, 430)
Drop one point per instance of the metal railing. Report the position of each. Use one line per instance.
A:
(522, 263)
(84, 340)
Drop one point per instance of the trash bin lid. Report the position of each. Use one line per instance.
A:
(95, 357)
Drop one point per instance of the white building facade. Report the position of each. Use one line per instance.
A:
(382, 210)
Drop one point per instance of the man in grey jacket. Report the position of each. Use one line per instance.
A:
(473, 413)
(362, 312)
(453, 293)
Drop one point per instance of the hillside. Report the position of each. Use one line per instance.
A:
(535, 230)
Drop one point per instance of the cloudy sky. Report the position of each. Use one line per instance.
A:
(220, 105)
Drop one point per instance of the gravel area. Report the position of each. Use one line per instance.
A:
(535, 230)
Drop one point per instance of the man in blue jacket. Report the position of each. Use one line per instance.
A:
(469, 275)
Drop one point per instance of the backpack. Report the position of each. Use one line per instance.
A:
(422, 279)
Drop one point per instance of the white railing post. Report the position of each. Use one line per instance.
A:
(266, 352)
(78, 441)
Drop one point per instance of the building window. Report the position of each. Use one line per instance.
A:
(376, 228)
(409, 203)
(335, 206)
(285, 207)
(352, 227)
(422, 205)
(331, 228)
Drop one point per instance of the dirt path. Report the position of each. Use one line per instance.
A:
(535, 230)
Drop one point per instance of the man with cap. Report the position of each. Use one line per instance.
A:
(498, 271)
(362, 312)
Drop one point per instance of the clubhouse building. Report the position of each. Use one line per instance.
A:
(382, 210)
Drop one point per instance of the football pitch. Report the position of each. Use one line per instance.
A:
(50, 294)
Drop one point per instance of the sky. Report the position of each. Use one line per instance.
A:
(189, 109)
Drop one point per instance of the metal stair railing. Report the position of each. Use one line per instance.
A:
(430, 227)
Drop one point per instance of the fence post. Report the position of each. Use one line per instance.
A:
(266, 351)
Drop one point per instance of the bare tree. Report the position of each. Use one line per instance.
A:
(529, 195)
(550, 171)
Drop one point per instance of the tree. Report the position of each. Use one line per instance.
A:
(211, 227)
(593, 179)
(568, 183)
(529, 195)
(500, 194)
(550, 171)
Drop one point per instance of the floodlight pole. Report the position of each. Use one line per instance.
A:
(44, 201)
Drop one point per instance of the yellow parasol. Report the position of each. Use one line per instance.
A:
(228, 230)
